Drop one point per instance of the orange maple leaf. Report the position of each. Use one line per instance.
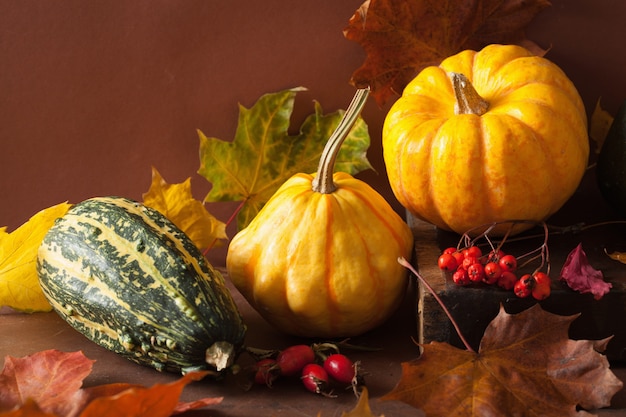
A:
(29, 409)
(160, 400)
(526, 366)
(403, 37)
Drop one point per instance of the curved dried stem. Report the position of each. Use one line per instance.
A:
(407, 265)
(542, 252)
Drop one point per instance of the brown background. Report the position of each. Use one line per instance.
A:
(94, 93)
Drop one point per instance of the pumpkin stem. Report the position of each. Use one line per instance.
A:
(323, 181)
(468, 101)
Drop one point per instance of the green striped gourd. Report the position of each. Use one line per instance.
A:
(127, 278)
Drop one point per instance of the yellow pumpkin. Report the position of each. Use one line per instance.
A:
(320, 258)
(487, 136)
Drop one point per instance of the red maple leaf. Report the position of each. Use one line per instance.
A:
(48, 383)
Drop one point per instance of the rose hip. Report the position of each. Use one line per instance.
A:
(291, 360)
(266, 372)
(340, 368)
(315, 378)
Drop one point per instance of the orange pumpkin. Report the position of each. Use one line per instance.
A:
(320, 258)
(487, 136)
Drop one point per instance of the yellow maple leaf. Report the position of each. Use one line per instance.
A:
(19, 283)
(362, 409)
(599, 125)
(176, 202)
(617, 256)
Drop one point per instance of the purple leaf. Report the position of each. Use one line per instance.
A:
(581, 276)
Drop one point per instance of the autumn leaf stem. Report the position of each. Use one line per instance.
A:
(231, 219)
(323, 181)
(407, 265)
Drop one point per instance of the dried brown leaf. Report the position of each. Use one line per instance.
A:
(526, 366)
(403, 37)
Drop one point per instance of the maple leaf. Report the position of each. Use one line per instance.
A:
(362, 408)
(48, 383)
(263, 155)
(526, 366)
(617, 256)
(402, 37)
(160, 400)
(581, 276)
(30, 409)
(19, 283)
(52, 379)
(599, 125)
(176, 202)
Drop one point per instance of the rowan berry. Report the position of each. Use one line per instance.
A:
(541, 291)
(528, 280)
(476, 272)
(459, 257)
(524, 286)
(449, 250)
(472, 251)
(492, 272)
(460, 277)
(495, 255)
(447, 262)
(507, 280)
(508, 263)
(469, 261)
(542, 278)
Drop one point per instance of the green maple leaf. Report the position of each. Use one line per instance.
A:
(263, 155)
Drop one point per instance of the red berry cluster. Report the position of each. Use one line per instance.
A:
(470, 266)
(317, 370)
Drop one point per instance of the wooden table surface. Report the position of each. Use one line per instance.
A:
(23, 334)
